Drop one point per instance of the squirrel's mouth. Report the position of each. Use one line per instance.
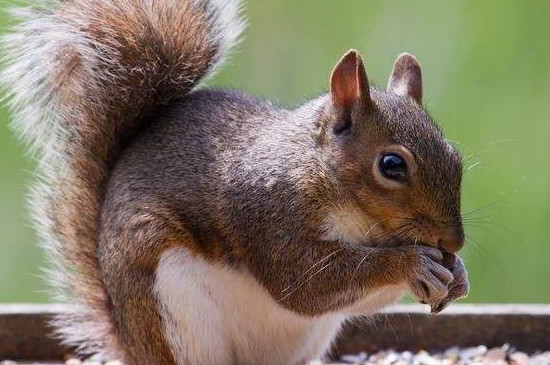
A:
(401, 237)
(352, 224)
(397, 241)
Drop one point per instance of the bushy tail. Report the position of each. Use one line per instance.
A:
(82, 76)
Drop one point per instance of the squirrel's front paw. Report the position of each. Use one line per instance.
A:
(459, 287)
(429, 279)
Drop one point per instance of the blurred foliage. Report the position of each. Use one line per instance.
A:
(487, 81)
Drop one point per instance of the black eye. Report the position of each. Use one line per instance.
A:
(393, 167)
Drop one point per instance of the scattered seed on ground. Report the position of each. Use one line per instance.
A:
(479, 355)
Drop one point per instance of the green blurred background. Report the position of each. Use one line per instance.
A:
(487, 81)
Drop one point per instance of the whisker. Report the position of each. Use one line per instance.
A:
(297, 281)
(395, 231)
(487, 206)
(364, 258)
(481, 251)
(472, 166)
(305, 282)
(486, 149)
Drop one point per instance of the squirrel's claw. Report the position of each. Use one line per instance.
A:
(438, 307)
(459, 287)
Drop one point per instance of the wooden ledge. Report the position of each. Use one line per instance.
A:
(476, 309)
(24, 330)
(411, 327)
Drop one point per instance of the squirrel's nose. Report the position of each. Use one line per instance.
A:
(453, 240)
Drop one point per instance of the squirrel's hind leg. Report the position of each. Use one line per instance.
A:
(132, 240)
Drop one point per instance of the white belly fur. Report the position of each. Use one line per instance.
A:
(216, 315)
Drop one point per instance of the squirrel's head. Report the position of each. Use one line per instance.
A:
(397, 177)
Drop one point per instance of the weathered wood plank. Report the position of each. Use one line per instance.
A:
(411, 327)
(24, 332)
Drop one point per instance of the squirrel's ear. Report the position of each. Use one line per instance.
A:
(406, 78)
(348, 82)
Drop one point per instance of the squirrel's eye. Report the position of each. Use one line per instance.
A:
(393, 167)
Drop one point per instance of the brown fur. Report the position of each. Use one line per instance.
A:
(100, 68)
(148, 164)
(136, 235)
(177, 32)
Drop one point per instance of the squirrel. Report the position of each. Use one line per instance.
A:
(190, 225)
